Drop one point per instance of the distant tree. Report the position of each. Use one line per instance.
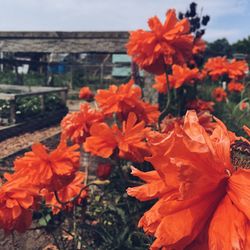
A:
(220, 47)
(242, 46)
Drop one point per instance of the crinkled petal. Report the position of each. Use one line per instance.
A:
(228, 229)
(239, 190)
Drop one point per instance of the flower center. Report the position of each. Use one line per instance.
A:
(240, 155)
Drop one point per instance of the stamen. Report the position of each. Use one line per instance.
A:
(240, 155)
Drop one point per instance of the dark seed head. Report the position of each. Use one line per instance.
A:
(240, 155)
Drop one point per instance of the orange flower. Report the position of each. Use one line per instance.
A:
(237, 69)
(125, 99)
(216, 67)
(200, 105)
(66, 194)
(129, 140)
(195, 182)
(48, 170)
(219, 94)
(163, 45)
(17, 200)
(116, 98)
(199, 46)
(235, 87)
(179, 76)
(76, 125)
(102, 140)
(86, 94)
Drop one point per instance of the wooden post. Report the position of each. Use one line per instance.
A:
(101, 73)
(63, 95)
(71, 78)
(12, 111)
(42, 103)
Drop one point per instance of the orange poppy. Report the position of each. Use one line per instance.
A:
(165, 44)
(102, 140)
(219, 94)
(216, 67)
(66, 194)
(76, 125)
(116, 98)
(195, 182)
(86, 94)
(51, 170)
(237, 69)
(17, 200)
(179, 76)
(235, 87)
(125, 99)
(200, 105)
(130, 140)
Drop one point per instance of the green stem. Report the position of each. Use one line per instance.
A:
(52, 233)
(168, 95)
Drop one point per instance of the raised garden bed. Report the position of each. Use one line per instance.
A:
(28, 108)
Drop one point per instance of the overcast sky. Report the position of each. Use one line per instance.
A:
(229, 18)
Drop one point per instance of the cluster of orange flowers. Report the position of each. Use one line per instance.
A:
(125, 99)
(219, 93)
(119, 101)
(193, 178)
(128, 142)
(38, 175)
(219, 66)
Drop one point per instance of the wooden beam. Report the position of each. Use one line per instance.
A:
(64, 42)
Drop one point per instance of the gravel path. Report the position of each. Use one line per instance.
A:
(17, 143)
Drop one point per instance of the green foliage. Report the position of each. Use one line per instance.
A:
(111, 216)
(27, 107)
(4, 109)
(53, 102)
(7, 77)
(229, 111)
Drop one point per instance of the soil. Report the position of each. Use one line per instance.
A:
(17, 143)
(30, 240)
